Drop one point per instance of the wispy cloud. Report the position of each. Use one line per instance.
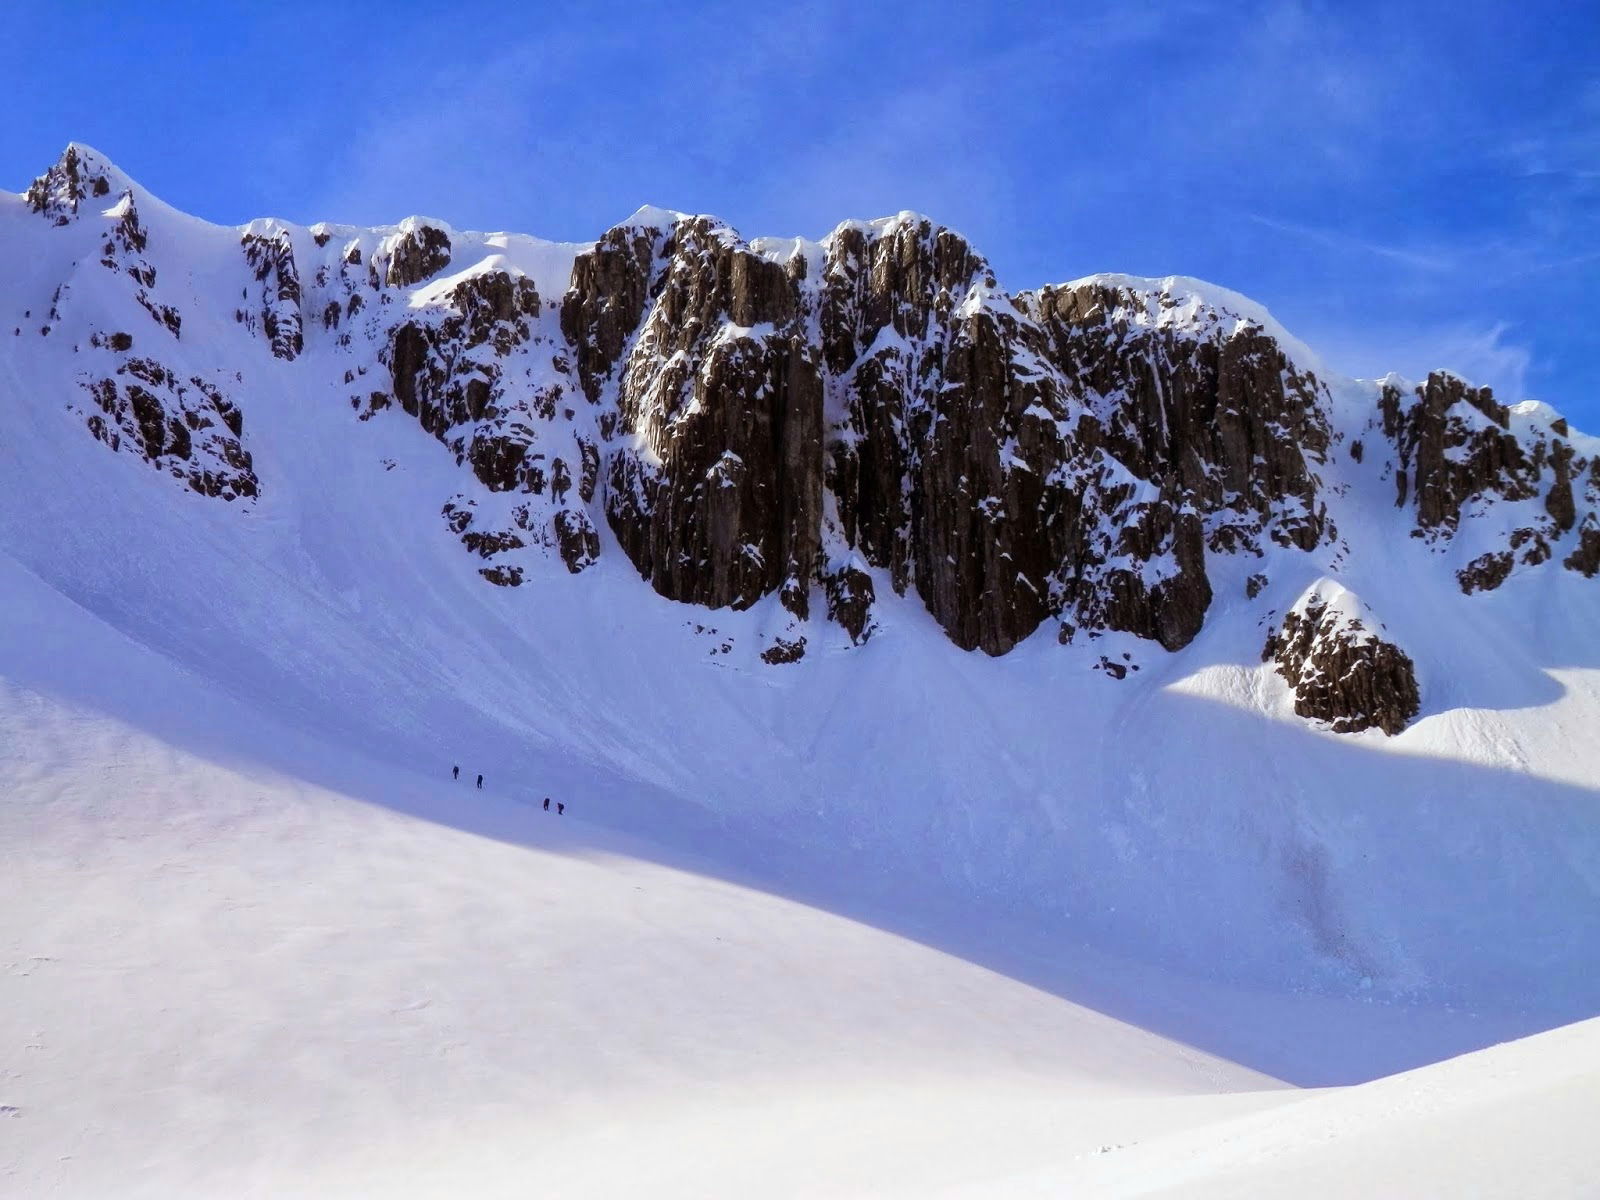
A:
(1549, 266)
(1487, 354)
(1335, 239)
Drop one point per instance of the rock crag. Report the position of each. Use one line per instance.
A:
(826, 426)
(1343, 673)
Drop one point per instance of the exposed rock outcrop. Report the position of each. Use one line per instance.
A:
(951, 455)
(454, 369)
(1585, 557)
(950, 460)
(1343, 673)
(123, 253)
(418, 251)
(76, 176)
(717, 495)
(605, 303)
(1486, 572)
(1200, 401)
(186, 428)
(446, 372)
(271, 258)
(1077, 453)
(1458, 451)
(850, 594)
(1454, 445)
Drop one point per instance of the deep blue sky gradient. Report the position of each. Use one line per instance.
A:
(1405, 185)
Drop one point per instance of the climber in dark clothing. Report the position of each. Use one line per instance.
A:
(560, 808)
(480, 783)
(547, 804)
(455, 772)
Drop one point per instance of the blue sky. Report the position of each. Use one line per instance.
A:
(1405, 185)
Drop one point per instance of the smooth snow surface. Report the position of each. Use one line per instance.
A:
(220, 980)
(890, 920)
(1515, 1120)
(223, 980)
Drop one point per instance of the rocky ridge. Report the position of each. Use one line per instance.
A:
(824, 422)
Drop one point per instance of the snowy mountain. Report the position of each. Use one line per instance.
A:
(955, 654)
(807, 420)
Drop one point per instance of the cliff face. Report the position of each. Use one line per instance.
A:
(714, 416)
(822, 422)
(790, 414)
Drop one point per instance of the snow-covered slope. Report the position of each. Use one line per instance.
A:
(1513, 1120)
(222, 979)
(236, 679)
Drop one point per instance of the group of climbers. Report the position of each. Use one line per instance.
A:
(561, 808)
